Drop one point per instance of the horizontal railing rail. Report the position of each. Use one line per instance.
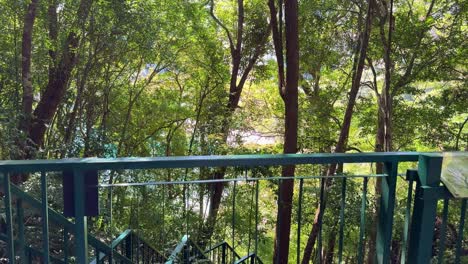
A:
(19, 166)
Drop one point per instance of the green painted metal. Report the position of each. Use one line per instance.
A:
(342, 220)
(322, 202)
(29, 252)
(81, 228)
(256, 216)
(252, 258)
(443, 232)
(229, 255)
(362, 226)
(424, 211)
(233, 219)
(9, 216)
(131, 241)
(299, 218)
(239, 179)
(204, 161)
(65, 244)
(428, 192)
(409, 200)
(21, 238)
(188, 249)
(387, 205)
(458, 246)
(60, 220)
(45, 218)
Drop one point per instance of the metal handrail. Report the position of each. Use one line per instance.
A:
(67, 224)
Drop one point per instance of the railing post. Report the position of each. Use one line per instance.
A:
(425, 209)
(223, 257)
(9, 216)
(81, 229)
(20, 219)
(387, 205)
(129, 247)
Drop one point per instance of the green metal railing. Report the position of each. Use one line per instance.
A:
(224, 253)
(187, 251)
(418, 230)
(118, 250)
(134, 248)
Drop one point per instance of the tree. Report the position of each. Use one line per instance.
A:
(246, 47)
(289, 95)
(344, 133)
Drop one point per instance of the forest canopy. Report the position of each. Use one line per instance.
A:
(139, 78)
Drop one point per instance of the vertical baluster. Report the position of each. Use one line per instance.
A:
(362, 226)
(234, 219)
(223, 256)
(81, 229)
(443, 231)
(387, 206)
(9, 217)
(256, 216)
(128, 247)
(299, 216)
(407, 219)
(20, 217)
(322, 204)
(458, 247)
(138, 249)
(424, 210)
(65, 245)
(342, 223)
(96, 254)
(45, 218)
(28, 258)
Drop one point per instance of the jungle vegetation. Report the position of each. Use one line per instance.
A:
(138, 78)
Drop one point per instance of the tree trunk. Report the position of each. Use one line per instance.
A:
(330, 252)
(283, 224)
(57, 84)
(27, 101)
(235, 91)
(344, 133)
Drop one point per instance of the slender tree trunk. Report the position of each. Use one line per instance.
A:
(283, 224)
(379, 147)
(27, 100)
(344, 134)
(387, 93)
(235, 91)
(278, 44)
(330, 252)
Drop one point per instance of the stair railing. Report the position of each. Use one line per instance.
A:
(134, 248)
(32, 255)
(187, 251)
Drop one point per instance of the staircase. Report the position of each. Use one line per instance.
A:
(127, 248)
(187, 251)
